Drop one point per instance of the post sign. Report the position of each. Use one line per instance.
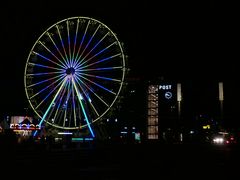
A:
(167, 91)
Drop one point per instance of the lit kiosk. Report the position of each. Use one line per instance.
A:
(164, 111)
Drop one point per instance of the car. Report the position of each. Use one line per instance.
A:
(224, 138)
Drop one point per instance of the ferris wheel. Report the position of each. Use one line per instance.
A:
(74, 73)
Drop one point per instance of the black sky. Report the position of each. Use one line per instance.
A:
(194, 43)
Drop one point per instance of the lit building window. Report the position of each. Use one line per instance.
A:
(152, 122)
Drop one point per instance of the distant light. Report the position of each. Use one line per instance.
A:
(137, 136)
(116, 120)
(206, 127)
(220, 87)
(65, 133)
(81, 98)
(181, 137)
(88, 139)
(218, 140)
(89, 99)
(123, 132)
(168, 95)
(77, 139)
(57, 139)
(179, 92)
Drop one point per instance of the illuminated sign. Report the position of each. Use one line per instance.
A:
(168, 95)
(206, 127)
(24, 126)
(167, 90)
(165, 87)
(23, 123)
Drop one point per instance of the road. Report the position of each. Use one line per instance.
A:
(124, 161)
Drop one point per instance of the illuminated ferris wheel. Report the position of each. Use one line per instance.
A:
(74, 73)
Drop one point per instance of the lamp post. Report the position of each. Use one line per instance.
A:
(179, 100)
(221, 99)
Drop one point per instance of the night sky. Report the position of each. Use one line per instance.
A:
(196, 44)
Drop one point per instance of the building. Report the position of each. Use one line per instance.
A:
(163, 110)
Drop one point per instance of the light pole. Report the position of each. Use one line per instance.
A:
(221, 99)
(179, 100)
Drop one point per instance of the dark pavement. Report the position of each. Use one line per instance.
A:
(123, 161)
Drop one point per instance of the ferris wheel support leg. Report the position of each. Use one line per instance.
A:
(83, 109)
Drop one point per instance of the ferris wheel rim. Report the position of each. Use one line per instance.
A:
(122, 75)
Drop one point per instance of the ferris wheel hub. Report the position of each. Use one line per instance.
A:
(70, 71)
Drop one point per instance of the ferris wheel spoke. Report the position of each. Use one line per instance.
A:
(40, 74)
(100, 52)
(51, 103)
(83, 38)
(64, 118)
(55, 116)
(90, 89)
(46, 80)
(88, 98)
(54, 89)
(101, 77)
(63, 58)
(63, 65)
(42, 90)
(63, 46)
(69, 44)
(43, 57)
(67, 106)
(100, 69)
(97, 84)
(59, 102)
(74, 106)
(75, 40)
(90, 40)
(102, 60)
(43, 66)
(83, 109)
(76, 62)
(95, 110)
